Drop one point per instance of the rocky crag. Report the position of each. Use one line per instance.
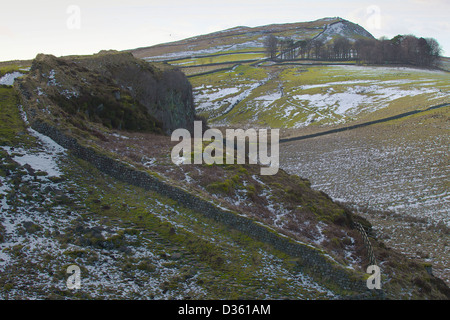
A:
(111, 88)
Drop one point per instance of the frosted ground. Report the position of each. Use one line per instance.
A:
(386, 174)
(396, 175)
(31, 241)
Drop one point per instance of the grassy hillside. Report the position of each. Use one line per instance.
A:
(132, 243)
(395, 170)
(136, 242)
(300, 96)
(238, 39)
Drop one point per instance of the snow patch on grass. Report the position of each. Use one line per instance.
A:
(8, 79)
(46, 159)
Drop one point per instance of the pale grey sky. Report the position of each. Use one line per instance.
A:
(63, 27)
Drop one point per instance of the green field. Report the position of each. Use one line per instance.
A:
(295, 97)
(218, 59)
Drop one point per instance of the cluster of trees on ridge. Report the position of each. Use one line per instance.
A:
(402, 49)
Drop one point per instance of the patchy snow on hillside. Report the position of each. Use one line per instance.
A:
(330, 84)
(240, 97)
(45, 159)
(8, 79)
(273, 268)
(212, 99)
(193, 52)
(358, 98)
(268, 99)
(342, 101)
(214, 94)
(41, 161)
(344, 29)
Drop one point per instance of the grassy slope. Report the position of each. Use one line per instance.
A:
(272, 104)
(228, 39)
(149, 246)
(302, 96)
(185, 254)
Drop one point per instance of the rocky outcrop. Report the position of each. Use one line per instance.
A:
(111, 88)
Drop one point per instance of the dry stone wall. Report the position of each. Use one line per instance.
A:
(308, 259)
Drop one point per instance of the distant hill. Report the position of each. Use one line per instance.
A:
(319, 75)
(244, 39)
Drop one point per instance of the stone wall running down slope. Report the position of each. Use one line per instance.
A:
(118, 91)
(314, 261)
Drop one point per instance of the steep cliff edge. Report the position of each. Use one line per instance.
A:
(111, 88)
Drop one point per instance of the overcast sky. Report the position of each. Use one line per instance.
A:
(62, 27)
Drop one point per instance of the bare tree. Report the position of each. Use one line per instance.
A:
(341, 48)
(405, 49)
(271, 45)
(317, 47)
(435, 51)
(287, 48)
(303, 45)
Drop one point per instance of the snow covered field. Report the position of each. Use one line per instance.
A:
(328, 95)
(385, 177)
(396, 177)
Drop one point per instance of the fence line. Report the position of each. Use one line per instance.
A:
(367, 244)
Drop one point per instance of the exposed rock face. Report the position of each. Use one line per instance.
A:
(112, 88)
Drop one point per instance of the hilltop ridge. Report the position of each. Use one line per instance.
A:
(247, 38)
